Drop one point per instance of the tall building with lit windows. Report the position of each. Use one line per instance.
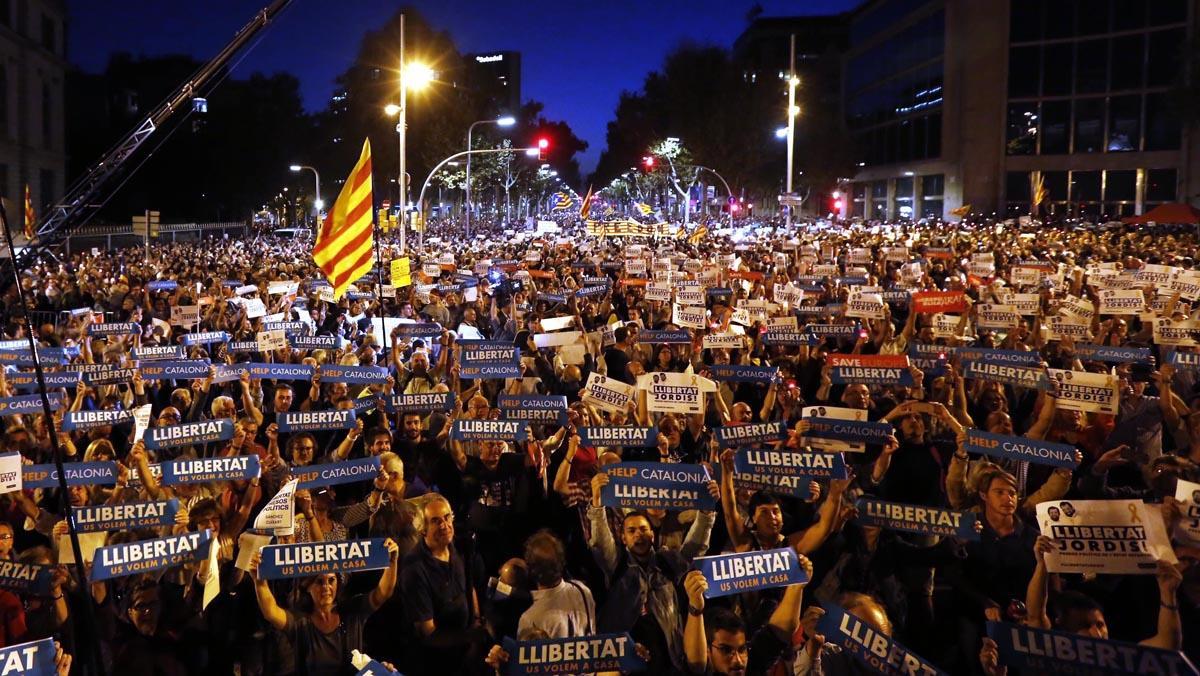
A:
(955, 102)
(497, 76)
(32, 128)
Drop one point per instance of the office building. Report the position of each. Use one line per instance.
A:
(497, 77)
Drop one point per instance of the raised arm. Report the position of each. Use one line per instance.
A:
(387, 582)
(272, 613)
(1170, 630)
(729, 507)
(604, 549)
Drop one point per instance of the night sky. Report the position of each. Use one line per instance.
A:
(577, 57)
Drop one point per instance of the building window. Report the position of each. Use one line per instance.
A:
(1056, 127)
(1058, 62)
(1124, 123)
(1060, 20)
(1085, 186)
(1089, 125)
(6, 12)
(47, 115)
(3, 100)
(1160, 186)
(1025, 21)
(46, 188)
(1165, 57)
(1162, 126)
(49, 31)
(1021, 130)
(1129, 15)
(1128, 62)
(1163, 12)
(1120, 192)
(1091, 66)
(1024, 64)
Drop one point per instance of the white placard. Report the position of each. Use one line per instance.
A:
(88, 544)
(141, 421)
(1188, 528)
(659, 293)
(1119, 537)
(1083, 391)
(271, 340)
(731, 341)
(689, 316)
(279, 513)
(608, 394)
(1059, 327)
(249, 544)
(254, 308)
(838, 413)
(185, 315)
(1178, 333)
(995, 316)
(675, 392)
(1026, 304)
(282, 288)
(1122, 302)
(865, 306)
(556, 323)
(10, 473)
(247, 289)
(557, 339)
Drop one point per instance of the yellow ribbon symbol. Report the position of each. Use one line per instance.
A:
(1133, 513)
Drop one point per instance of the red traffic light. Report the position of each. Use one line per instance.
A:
(649, 162)
(837, 205)
(543, 143)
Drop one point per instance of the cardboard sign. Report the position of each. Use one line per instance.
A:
(30, 403)
(125, 516)
(77, 474)
(874, 651)
(278, 513)
(606, 393)
(676, 337)
(146, 556)
(1017, 376)
(750, 434)
(202, 470)
(336, 473)
(619, 437)
(86, 420)
(421, 403)
(877, 369)
(1112, 355)
(35, 658)
(1020, 448)
(318, 558)
(353, 375)
(311, 421)
(939, 301)
(675, 392)
(185, 315)
(860, 431)
(655, 485)
(1083, 391)
(187, 434)
(1055, 652)
(11, 476)
(1115, 302)
(1122, 537)
(479, 430)
(917, 519)
(534, 408)
(749, 571)
(1188, 494)
(789, 469)
(601, 653)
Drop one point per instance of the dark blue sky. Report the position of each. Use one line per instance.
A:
(577, 56)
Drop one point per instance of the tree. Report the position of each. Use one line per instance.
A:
(680, 173)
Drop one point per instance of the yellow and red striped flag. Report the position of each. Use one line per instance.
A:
(30, 216)
(586, 207)
(343, 247)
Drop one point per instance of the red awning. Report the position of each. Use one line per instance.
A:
(1167, 213)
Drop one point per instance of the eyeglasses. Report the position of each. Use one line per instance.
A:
(6, 536)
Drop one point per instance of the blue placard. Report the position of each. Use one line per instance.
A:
(156, 352)
(589, 291)
(86, 420)
(125, 515)
(78, 474)
(145, 556)
(535, 408)
(552, 298)
(720, 292)
(242, 346)
(1020, 448)
(677, 337)
(871, 375)
(478, 430)
(614, 653)
(996, 356)
(930, 358)
(750, 571)
(21, 356)
(917, 518)
(235, 283)
(624, 437)
(163, 285)
(751, 433)
(313, 342)
(353, 375)
(425, 330)
(489, 359)
(35, 658)
(1185, 360)
(789, 338)
(421, 403)
(184, 369)
(206, 338)
(790, 469)
(876, 652)
(374, 668)
(259, 371)
(114, 329)
(861, 431)
(851, 281)
(334, 473)
(1113, 355)
(26, 578)
(1018, 376)
(1043, 651)
(187, 434)
(744, 374)
(318, 558)
(30, 403)
(289, 327)
(655, 485)
(109, 376)
(200, 470)
(832, 330)
(309, 421)
(25, 381)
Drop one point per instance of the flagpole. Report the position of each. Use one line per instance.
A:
(387, 355)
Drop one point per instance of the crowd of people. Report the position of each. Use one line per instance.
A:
(895, 353)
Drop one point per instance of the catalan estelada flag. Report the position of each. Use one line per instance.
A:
(961, 211)
(343, 247)
(586, 207)
(644, 209)
(30, 216)
(698, 235)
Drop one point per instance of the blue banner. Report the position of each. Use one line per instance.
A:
(334, 473)
(242, 346)
(109, 376)
(155, 352)
(86, 420)
(534, 408)
(421, 403)
(78, 474)
(205, 338)
(787, 468)
(186, 369)
(202, 432)
(363, 405)
(26, 578)
(656, 485)
(114, 329)
(259, 371)
(200, 470)
(1017, 376)
(313, 342)
(861, 431)
(28, 404)
(878, 653)
(478, 430)
(750, 571)
(163, 285)
(744, 374)
(930, 358)
(418, 330)
(917, 519)
(318, 558)
(996, 356)
(35, 658)
(589, 291)
(552, 298)
(353, 375)
(1112, 355)
(832, 330)
(291, 327)
(25, 380)
(310, 421)
(21, 356)
(489, 359)
(625, 437)
(789, 338)
(615, 653)
(1043, 651)
(1020, 448)
(677, 337)
(750, 433)
(871, 375)
(1185, 360)
(145, 556)
(125, 515)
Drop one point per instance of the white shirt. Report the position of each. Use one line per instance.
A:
(566, 611)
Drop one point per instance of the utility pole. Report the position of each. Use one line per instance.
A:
(791, 123)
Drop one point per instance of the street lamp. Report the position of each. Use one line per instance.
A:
(792, 111)
(506, 121)
(413, 76)
(467, 154)
(317, 201)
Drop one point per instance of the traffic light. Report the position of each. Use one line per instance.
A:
(837, 201)
(648, 162)
(542, 144)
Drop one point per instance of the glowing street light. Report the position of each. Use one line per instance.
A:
(506, 121)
